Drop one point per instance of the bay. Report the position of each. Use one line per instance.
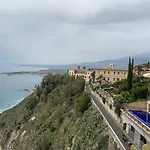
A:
(12, 88)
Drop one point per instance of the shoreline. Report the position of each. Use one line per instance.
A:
(14, 105)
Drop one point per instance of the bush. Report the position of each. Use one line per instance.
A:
(31, 103)
(140, 92)
(110, 106)
(118, 109)
(82, 103)
(104, 100)
(51, 127)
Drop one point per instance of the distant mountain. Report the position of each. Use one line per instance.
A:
(119, 62)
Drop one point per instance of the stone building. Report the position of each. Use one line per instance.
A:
(111, 74)
(78, 72)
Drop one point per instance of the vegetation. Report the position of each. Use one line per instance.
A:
(103, 99)
(58, 115)
(93, 76)
(130, 74)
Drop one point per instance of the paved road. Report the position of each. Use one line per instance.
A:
(117, 129)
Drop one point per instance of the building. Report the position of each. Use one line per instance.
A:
(141, 69)
(137, 125)
(111, 74)
(85, 73)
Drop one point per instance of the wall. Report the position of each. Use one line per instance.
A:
(109, 74)
(138, 131)
(137, 106)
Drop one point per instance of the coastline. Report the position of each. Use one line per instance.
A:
(12, 106)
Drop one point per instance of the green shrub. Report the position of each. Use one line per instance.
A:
(82, 103)
(51, 127)
(110, 106)
(31, 103)
(104, 100)
(118, 108)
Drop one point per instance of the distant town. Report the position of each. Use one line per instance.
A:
(40, 72)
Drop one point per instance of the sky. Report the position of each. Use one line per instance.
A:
(72, 31)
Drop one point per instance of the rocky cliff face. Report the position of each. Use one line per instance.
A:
(87, 132)
(55, 119)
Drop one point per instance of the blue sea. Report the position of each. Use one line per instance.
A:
(12, 87)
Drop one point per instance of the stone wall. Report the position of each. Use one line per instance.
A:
(137, 106)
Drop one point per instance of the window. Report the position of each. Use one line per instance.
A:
(104, 72)
(108, 72)
(124, 73)
(132, 129)
(142, 138)
(89, 77)
(98, 71)
(108, 79)
(114, 72)
(114, 79)
(118, 79)
(118, 73)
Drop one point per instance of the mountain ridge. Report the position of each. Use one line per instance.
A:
(120, 62)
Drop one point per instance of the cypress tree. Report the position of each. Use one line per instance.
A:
(132, 69)
(129, 79)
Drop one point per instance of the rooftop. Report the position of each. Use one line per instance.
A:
(114, 69)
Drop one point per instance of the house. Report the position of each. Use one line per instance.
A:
(111, 74)
(78, 72)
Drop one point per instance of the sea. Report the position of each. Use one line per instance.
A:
(12, 88)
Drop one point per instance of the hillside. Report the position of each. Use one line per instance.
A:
(119, 62)
(58, 116)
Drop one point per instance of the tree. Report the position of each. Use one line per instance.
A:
(139, 69)
(78, 67)
(100, 78)
(82, 103)
(118, 109)
(93, 75)
(38, 91)
(132, 67)
(140, 92)
(130, 75)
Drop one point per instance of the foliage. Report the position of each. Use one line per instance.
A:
(130, 75)
(104, 99)
(110, 106)
(48, 120)
(140, 92)
(93, 76)
(82, 103)
(106, 85)
(118, 108)
(125, 97)
(32, 103)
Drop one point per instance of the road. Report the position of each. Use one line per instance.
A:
(114, 125)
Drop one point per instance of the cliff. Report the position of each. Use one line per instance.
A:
(57, 116)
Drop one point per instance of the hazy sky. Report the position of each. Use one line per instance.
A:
(69, 31)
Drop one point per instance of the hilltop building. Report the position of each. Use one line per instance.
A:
(78, 72)
(111, 74)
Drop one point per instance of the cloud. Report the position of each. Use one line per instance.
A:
(69, 31)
